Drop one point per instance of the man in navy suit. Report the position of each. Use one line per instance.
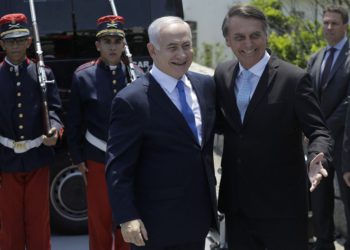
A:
(330, 72)
(160, 170)
(267, 104)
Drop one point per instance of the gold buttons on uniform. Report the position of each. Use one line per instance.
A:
(113, 72)
(19, 105)
(18, 83)
(19, 94)
(21, 137)
(114, 81)
(11, 69)
(20, 126)
(114, 91)
(20, 115)
(17, 74)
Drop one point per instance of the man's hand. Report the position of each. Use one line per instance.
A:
(83, 170)
(316, 171)
(134, 232)
(51, 140)
(346, 177)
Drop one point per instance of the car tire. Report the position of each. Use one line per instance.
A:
(67, 199)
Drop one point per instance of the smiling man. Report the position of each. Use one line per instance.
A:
(265, 106)
(160, 171)
(94, 86)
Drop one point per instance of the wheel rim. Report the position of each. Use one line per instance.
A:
(67, 194)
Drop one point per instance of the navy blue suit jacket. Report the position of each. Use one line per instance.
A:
(156, 170)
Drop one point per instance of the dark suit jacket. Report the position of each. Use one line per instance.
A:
(263, 167)
(31, 108)
(156, 171)
(335, 94)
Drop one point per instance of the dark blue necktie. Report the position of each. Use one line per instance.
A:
(185, 109)
(327, 69)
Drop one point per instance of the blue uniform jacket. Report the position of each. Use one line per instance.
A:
(93, 87)
(21, 115)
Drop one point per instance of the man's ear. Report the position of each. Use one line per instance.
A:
(2, 45)
(228, 43)
(98, 45)
(151, 49)
(29, 42)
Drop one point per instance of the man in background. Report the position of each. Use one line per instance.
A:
(330, 72)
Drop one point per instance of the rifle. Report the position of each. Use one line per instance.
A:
(130, 65)
(40, 66)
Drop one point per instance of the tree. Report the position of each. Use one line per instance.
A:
(292, 38)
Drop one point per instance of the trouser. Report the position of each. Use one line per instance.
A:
(200, 245)
(102, 234)
(243, 233)
(24, 210)
(322, 205)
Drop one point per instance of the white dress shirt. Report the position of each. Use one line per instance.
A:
(257, 70)
(168, 84)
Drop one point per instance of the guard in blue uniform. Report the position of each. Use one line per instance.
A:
(93, 87)
(25, 152)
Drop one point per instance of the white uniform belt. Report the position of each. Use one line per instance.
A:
(98, 143)
(21, 146)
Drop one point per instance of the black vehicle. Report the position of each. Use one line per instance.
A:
(67, 34)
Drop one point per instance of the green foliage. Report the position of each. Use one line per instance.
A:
(292, 38)
(210, 54)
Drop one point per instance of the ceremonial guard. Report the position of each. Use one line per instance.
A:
(26, 152)
(93, 87)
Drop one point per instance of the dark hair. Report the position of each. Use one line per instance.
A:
(337, 9)
(246, 11)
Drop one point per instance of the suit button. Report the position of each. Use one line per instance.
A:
(19, 94)
(20, 115)
(113, 72)
(114, 91)
(21, 137)
(20, 126)
(18, 84)
(114, 81)
(19, 105)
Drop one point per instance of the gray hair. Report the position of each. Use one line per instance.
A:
(158, 24)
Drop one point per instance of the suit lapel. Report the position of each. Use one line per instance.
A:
(318, 61)
(231, 110)
(262, 87)
(158, 95)
(199, 90)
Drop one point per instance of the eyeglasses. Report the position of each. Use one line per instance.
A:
(13, 41)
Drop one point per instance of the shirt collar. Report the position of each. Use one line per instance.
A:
(339, 45)
(167, 82)
(259, 67)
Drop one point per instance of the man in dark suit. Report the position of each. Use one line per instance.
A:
(265, 105)
(330, 72)
(160, 171)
